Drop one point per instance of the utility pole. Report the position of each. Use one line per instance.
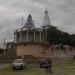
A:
(22, 21)
(4, 46)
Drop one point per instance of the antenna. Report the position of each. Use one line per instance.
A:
(4, 40)
(4, 45)
(22, 21)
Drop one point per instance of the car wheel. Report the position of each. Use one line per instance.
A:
(22, 68)
(14, 68)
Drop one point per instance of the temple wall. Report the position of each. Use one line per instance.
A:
(31, 49)
(38, 51)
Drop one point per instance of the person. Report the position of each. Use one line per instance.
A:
(48, 65)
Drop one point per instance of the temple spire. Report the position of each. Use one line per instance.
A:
(46, 21)
(29, 24)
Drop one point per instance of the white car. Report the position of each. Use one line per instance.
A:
(18, 64)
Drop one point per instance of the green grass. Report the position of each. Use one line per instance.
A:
(60, 67)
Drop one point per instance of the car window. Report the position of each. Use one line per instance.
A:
(18, 61)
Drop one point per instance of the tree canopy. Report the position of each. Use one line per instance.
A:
(56, 36)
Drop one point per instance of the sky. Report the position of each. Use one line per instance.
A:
(61, 14)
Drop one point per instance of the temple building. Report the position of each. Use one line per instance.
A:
(46, 21)
(31, 40)
(29, 33)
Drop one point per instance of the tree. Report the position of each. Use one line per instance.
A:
(72, 40)
(54, 35)
(65, 38)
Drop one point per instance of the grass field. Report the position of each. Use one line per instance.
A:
(60, 67)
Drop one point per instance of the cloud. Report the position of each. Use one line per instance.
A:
(61, 13)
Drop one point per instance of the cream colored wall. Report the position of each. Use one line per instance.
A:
(35, 50)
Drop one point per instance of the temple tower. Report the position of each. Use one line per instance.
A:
(29, 24)
(46, 21)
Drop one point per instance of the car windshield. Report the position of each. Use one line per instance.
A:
(18, 61)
